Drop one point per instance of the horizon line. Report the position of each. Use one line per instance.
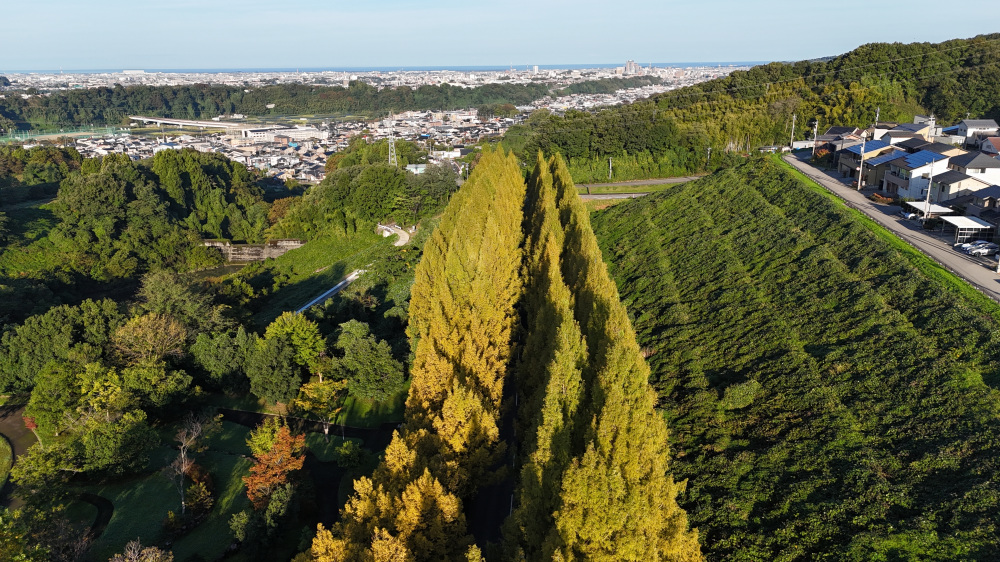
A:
(215, 70)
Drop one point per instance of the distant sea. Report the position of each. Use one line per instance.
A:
(387, 68)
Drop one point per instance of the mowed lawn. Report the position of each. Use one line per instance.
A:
(141, 504)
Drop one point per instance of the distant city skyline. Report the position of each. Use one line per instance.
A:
(393, 34)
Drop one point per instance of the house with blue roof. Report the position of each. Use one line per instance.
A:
(849, 159)
(908, 177)
(876, 168)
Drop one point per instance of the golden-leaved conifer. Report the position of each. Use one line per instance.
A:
(462, 317)
(594, 483)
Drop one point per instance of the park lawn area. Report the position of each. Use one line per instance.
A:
(358, 412)
(231, 439)
(141, 504)
(307, 272)
(210, 539)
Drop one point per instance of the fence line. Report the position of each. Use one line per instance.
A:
(21, 136)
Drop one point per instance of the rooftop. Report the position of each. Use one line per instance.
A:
(980, 123)
(870, 146)
(975, 160)
(919, 159)
(887, 157)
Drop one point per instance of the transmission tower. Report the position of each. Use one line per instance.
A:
(392, 143)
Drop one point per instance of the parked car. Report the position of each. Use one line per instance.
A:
(907, 215)
(987, 249)
(966, 246)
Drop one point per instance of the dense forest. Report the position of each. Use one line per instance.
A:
(671, 133)
(121, 393)
(608, 85)
(114, 219)
(112, 106)
(830, 391)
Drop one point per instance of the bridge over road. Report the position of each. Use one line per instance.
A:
(189, 123)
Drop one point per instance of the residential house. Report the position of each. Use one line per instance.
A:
(985, 202)
(908, 176)
(896, 137)
(977, 165)
(952, 185)
(990, 146)
(976, 130)
(849, 159)
(876, 168)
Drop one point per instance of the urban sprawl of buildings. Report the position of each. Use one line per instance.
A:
(672, 76)
(299, 152)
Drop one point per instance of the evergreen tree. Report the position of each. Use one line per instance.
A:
(617, 500)
(462, 319)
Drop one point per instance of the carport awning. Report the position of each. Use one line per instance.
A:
(968, 223)
(933, 209)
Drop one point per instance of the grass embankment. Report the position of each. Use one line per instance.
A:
(830, 393)
(300, 275)
(595, 205)
(918, 259)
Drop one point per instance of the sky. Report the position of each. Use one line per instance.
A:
(213, 34)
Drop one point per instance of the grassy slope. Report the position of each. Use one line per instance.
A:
(30, 251)
(824, 385)
(314, 268)
(141, 504)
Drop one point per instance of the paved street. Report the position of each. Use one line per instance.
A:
(979, 272)
(654, 181)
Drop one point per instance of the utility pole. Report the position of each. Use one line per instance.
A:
(791, 140)
(815, 133)
(861, 163)
(609, 167)
(392, 143)
(930, 183)
(877, 111)
(708, 162)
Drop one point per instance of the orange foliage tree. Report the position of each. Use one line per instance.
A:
(277, 453)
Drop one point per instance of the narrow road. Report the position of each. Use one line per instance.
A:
(599, 196)
(404, 237)
(978, 272)
(653, 181)
(336, 289)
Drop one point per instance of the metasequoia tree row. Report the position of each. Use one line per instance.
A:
(512, 298)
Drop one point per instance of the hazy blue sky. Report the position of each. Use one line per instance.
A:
(119, 34)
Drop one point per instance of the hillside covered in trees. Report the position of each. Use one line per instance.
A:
(114, 219)
(670, 133)
(122, 395)
(112, 106)
(831, 392)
